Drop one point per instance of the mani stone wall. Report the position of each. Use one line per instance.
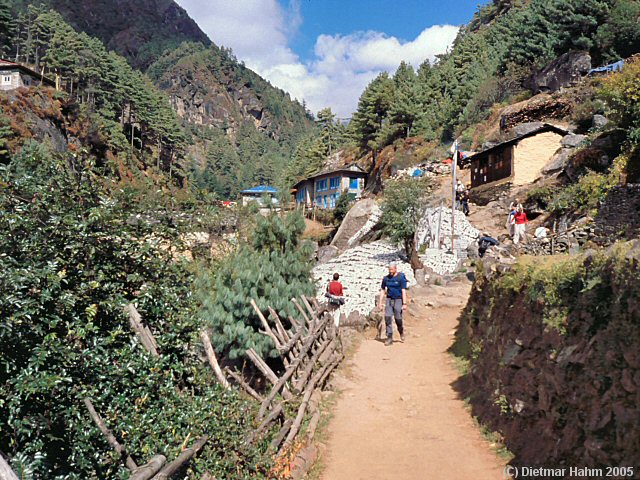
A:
(619, 215)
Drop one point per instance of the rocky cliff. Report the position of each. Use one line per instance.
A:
(553, 353)
(208, 86)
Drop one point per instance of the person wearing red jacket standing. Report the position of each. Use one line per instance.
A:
(520, 221)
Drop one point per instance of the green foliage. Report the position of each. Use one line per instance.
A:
(405, 201)
(7, 27)
(489, 64)
(558, 290)
(313, 149)
(586, 194)
(272, 267)
(621, 92)
(141, 35)
(619, 36)
(73, 254)
(5, 134)
(110, 92)
(367, 124)
(342, 206)
(244, 156)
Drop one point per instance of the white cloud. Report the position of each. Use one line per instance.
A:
(259, 31)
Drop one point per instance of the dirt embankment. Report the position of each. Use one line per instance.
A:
(554, 357)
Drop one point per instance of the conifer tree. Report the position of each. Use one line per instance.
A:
(373, 110)
(7, 29)
(271, 268)
(405, 107)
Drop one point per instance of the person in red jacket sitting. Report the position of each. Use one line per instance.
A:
(520, 221)
(335, 292)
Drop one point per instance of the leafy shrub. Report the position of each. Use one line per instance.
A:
(586, 194)
(621, 92)
(404, 204)
(342, 206)
(72, 256)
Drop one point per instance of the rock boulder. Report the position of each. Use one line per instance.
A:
(564, 71)
(362, 216)
(327, 253)
(572, 141)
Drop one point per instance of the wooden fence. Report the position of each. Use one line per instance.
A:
(310, 349)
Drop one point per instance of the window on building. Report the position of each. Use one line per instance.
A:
(321, 185)
(334, 183)
(6, 79)
(325, 203)
(301, 194)
(353, 184)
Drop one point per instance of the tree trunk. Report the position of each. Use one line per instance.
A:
(412, 253)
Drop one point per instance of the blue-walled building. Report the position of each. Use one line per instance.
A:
(324, 188)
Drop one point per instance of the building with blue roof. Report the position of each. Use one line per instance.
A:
(256, 194)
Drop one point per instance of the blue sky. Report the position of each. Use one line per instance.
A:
(403, 19)
(326, 51)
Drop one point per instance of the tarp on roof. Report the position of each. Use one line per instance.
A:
(260, 189)
(612, 67)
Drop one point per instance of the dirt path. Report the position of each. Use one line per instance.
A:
(398, 417)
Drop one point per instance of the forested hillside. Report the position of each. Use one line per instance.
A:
(245, 130)
(490, 63)
(232, 130)
(139, 31)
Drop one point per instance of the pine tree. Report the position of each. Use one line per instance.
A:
(373, 110)
(271, 268)
(8, 29)
(405, 107)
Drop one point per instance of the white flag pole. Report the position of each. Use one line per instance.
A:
(454, 166)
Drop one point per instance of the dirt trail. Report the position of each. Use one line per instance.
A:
(398, 416)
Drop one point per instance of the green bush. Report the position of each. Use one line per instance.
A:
(72, 256)
(342, 206)
(272, 267)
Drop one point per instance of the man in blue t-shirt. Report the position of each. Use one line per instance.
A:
(394, 286)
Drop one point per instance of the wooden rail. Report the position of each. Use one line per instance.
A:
(310, 348)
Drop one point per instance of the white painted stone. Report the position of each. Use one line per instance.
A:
(361, 270)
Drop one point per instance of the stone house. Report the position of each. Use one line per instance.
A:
(518, 160)
(13, 75)
(324, 188)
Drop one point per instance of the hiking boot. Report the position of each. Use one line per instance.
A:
(388, 342)
(402, 337)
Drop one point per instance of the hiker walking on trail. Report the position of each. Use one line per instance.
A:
(460, 191)
(394, 286)
(520, 221)
(513, 209)
(466, 196)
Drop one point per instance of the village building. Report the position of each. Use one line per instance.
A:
(323, 189)
(13, 75)
(518, 160)
(257, 194)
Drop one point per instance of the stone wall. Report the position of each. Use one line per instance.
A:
(619, 215)
(555, 371)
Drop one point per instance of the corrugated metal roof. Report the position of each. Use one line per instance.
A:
(260, 189)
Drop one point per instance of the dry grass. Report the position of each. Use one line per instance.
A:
(315, 230)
